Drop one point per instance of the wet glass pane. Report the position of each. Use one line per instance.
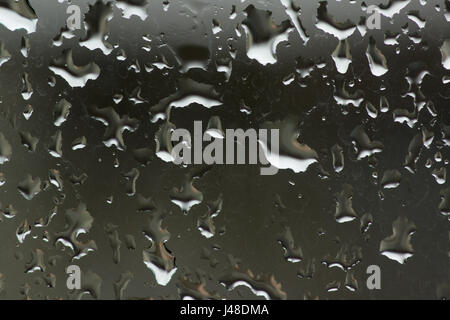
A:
(234, 149)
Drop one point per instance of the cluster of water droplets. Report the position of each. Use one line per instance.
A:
(87, 173)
